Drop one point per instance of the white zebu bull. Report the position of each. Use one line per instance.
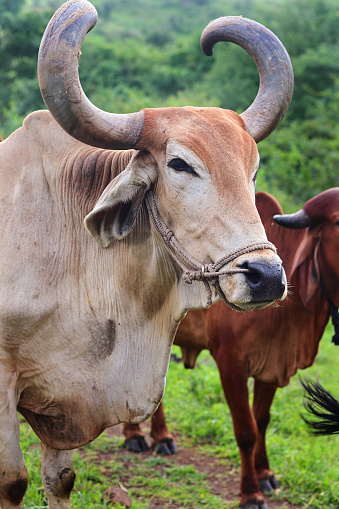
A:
(86, 327)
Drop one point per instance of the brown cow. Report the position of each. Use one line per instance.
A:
(270, 345)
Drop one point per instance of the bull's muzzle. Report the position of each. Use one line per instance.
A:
(266, 282)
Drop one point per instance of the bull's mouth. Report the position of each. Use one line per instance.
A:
(253, 306)
(260, 286)
(245, 306)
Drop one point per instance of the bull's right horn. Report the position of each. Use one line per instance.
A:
(273, 63)
(59, 53)
(295, 221)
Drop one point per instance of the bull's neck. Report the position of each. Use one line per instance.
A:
(135, 269)
(139, 263)
(88, 172)
(316, 314)
(329, 279)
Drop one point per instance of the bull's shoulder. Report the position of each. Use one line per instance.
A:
(40, 125)
(38, 117)
(38, 132)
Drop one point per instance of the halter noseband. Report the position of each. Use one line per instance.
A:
(192, 269)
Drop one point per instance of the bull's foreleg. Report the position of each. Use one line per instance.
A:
(13, 473)
(57, 476)
(263, 398)
(234, 382)
(163, 442)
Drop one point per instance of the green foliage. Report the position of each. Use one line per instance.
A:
(146, 53)
(302, 160)
(20, 34)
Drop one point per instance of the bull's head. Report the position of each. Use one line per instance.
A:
(317, 256)
(200, 162)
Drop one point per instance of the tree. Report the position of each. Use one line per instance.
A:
(20, 35)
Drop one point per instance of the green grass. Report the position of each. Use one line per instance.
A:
(306, 466)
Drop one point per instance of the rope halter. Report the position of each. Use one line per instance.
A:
(192, 269)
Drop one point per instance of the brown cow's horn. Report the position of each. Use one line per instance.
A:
(273, 63)
(60, 86)
(294, 221)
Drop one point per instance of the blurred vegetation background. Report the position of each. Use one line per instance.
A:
(146, 53)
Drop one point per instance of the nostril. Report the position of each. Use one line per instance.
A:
(254, 277)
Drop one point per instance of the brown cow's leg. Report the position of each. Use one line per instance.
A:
(263, 398)
(189, 356)
(162, 439)
(57, 476)
(135, 439)
(234, 382)
(13, 473)
(163, 442)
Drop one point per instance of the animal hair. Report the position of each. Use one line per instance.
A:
(323, 406)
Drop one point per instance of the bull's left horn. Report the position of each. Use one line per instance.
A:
(59, 53)
(295, 221)
(273, 63)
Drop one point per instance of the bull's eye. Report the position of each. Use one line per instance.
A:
(254, 179)
(337, 223)
(180, 165)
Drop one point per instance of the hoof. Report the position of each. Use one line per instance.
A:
(268, 485)
(136, 444)
(165, 447)
(254, 506)
(257, 502)
(274, 483)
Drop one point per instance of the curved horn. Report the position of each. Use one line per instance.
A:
(273, 63)
(294, 221)
(60, 86)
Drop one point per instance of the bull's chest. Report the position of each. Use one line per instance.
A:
(61, 419)
(69, 397)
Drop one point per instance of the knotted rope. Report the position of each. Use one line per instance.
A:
(192, 269)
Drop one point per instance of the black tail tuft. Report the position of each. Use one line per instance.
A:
(322, 405)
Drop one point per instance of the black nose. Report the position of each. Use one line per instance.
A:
(267, 282)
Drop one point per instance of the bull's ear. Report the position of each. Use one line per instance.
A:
(307, 267)
(115, 212)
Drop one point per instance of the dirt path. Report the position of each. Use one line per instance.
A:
(224, 479)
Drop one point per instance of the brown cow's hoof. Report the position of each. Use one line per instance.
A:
(165, 447)
(254, 506)
(136, 444)
(256, 501)
(268, 485)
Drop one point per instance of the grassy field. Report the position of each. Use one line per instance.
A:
(306, 466)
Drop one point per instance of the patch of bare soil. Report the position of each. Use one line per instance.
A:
(223, 478)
